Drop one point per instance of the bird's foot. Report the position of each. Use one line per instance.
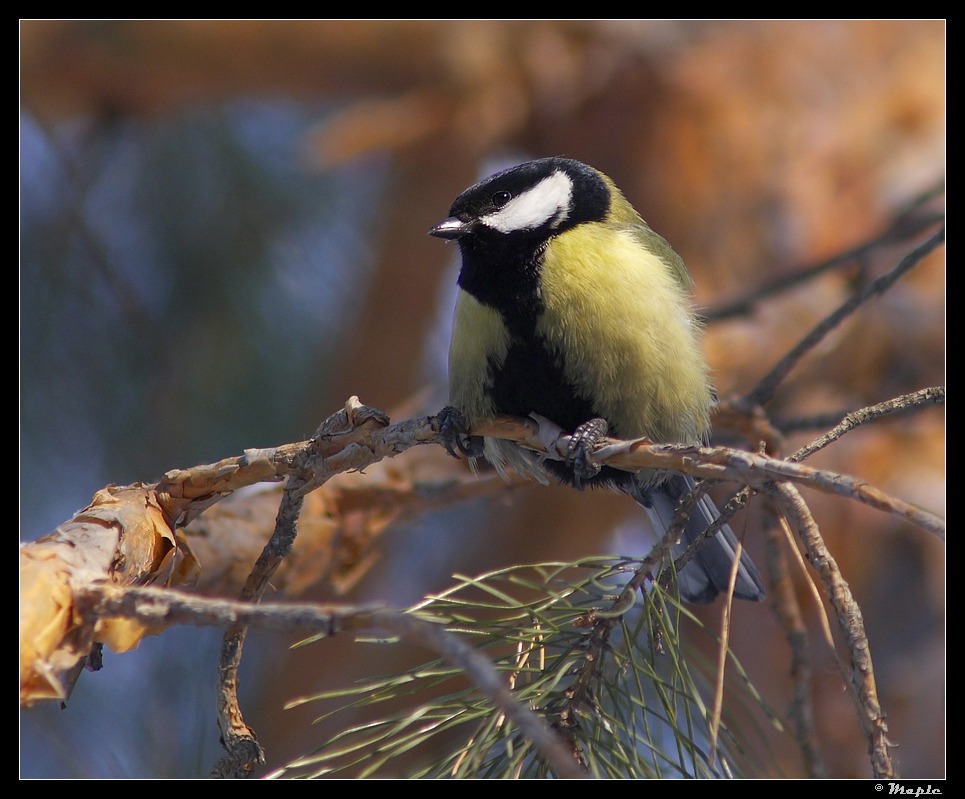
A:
(454, 434)
(580, 449)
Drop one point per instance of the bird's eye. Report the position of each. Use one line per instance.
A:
(500, 198)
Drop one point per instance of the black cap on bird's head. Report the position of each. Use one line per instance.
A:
(542, 197)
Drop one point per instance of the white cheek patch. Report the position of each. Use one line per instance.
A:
(548, 201)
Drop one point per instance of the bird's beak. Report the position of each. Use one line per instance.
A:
(452, 228)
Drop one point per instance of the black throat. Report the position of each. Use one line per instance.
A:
(504, 276)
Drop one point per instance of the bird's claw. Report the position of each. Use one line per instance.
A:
(580, 448)
(454, 434)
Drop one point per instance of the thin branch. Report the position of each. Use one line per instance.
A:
(155, 606)
(862, 680)
(789, 616)
(561, 759)
(934, 395)
(762, 393)
(243, 752)
(723, 649)
(580, 692)
(688, 506)
(717, 463)
(909, 223)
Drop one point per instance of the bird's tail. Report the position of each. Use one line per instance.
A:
(708, 573)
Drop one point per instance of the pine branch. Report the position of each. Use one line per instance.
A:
(144, 524)
(152, 606)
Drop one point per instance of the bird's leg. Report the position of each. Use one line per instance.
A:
(581, 445)
(454, 434)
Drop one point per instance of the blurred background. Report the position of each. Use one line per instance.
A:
(222, 237)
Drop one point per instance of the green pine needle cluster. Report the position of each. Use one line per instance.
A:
(608, 675)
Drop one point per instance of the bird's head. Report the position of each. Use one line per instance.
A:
(532, 201)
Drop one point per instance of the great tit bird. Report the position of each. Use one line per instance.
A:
(571, 307)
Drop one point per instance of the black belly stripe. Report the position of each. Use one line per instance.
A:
(530, 380)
